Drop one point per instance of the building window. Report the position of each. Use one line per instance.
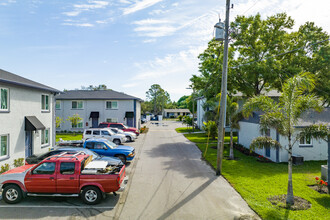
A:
(77, 105)
(79, 125)
(4, 99)
(4, 143)
(305, 142)
(115, 120)
(45, 137)
(111, 104)
(45, 102)
(58, 104)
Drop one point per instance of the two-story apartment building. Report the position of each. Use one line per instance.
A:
(27, 113)
(97, 106)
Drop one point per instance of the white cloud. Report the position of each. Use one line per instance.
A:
(79, 8)
(155, 31)
(72, 13)
(151, 22)
(149, 41)
(140, 5)
(79, 24)
(7, 2)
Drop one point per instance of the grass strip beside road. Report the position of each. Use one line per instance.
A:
(186, 130)
(202, 138)
(257, 181)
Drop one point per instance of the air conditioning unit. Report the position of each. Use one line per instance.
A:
(297, 160)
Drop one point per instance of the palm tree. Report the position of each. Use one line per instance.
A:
(233, 117)
(283, 116)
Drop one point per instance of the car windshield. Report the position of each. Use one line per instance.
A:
(110, 144)
(114, 130)
(120, 131)
(125, 127)
(111, 132)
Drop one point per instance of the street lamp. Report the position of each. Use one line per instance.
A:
(193, 119)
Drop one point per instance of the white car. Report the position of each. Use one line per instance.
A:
(104, 133)
(130, 136)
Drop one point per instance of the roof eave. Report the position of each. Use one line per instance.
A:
(30, 86)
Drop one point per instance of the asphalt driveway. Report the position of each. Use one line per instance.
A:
(170, 181)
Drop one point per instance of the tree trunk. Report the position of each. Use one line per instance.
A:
(231, 150)
(289, 196)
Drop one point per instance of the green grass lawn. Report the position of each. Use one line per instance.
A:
(68, 137)
(186, 130)
(257, 181)
(202, 138)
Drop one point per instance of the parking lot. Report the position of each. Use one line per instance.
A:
(68, 208)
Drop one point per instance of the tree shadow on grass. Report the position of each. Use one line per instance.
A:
(324, 201)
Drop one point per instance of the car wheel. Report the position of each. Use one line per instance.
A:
(116, 141)
(129, 139)
(91, 195)
(122, 158)
(12, 194)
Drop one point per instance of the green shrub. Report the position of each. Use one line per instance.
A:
(188, 120)
(211, 128)
(4, 168)
(19, 162)
(180, 117)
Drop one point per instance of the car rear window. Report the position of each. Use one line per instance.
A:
(96, 132)
(105, 133)
(67, 168)
(90, 145)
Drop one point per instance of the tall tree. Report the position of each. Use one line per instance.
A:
(284, 115)
(263, 54)
(253, 40)
(182, 102)
(159, 98)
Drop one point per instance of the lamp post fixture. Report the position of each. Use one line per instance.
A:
(222, 119)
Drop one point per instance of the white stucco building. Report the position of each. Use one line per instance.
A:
(27, 113)
(310, 149)
(167, 113)
(97, 106)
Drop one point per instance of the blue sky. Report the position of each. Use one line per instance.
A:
(126, 44)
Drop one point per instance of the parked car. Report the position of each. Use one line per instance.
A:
(107, 148)
(130, 136)
(104, 133)
(63, 175)
(120, 126)
(37, 158)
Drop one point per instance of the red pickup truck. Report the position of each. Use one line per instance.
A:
(69, 175)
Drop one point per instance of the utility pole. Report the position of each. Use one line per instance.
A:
(222, 118)
(193, 119)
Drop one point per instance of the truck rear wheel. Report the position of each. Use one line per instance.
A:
(12, 194)
(91, 195)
